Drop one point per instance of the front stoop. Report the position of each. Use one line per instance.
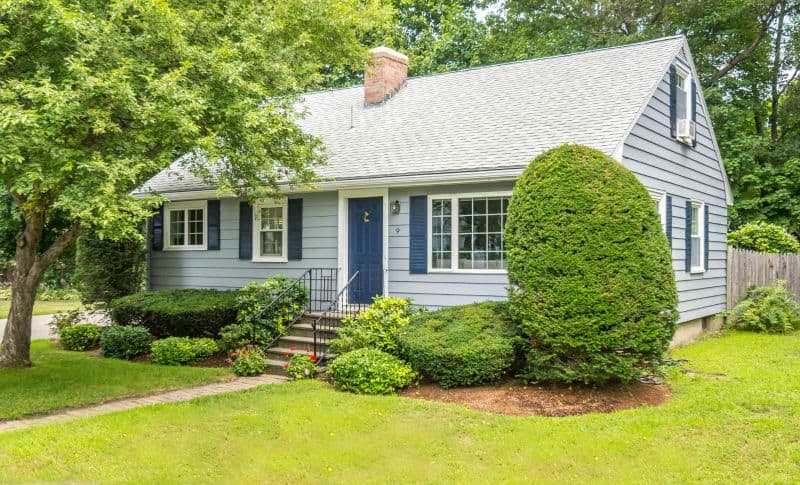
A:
(298, 341)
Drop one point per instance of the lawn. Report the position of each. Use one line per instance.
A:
(62, 379)
(735, 416)
(42, 307)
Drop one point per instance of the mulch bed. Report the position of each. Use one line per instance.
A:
(220, 359)
(515, 399)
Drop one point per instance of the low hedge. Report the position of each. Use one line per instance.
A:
(182, 350)
(370, 371)
(125, 342)
(80, 337)
(461, 346)
(177, 313)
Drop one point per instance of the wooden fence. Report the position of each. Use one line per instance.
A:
(748, 268)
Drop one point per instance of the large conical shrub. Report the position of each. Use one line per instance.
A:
(590, 268)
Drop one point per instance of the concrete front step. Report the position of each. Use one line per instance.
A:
(307, 330)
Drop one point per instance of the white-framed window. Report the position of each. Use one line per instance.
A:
(185, 225)
(698, 238)
(660, 200)
(270, 237)
(465, 232)
(684, 92)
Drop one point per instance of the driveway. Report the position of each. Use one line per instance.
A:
(40, 325)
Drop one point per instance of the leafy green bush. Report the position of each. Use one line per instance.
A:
(770, 309)
(107, 269)
(80, 337)
(302, 367)
(177, 313)
(248, 361)
(376, 327)
(62, 320)
(182, 350)
(125, 342)
(763, 237)
(461, 346)
(270, 320)
(235, 336)
(592, 284)
(371, 371)
(47, 294)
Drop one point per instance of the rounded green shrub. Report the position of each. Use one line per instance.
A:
(592, 286)
(80, 337)
(182, 350)
(248, 361)
(770, 309)
(376, 327)
(125, 342)
(177, 313)
(370, 371)
(461, 346)
(763, 237)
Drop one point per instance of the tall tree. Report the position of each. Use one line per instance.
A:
(96, 96)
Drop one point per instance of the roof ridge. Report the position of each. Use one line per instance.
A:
(508, 63)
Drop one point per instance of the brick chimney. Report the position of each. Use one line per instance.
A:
(385, 75)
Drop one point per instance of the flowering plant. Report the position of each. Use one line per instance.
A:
(248, 361)
(302, 366)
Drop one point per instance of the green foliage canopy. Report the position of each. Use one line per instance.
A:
(764, 237)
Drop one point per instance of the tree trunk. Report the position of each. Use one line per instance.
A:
(17, 336)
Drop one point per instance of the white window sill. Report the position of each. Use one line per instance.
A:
(468, 271)
(697, 270)
(276, 259)
(186, 248)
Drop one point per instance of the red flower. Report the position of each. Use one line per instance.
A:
(286, 354)
(313, 358)
(285, 366)
(291, 348)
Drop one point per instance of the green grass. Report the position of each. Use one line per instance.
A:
(42, 307)
(734, 418)
(61, 379)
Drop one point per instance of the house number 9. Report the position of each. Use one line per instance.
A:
(366, 217)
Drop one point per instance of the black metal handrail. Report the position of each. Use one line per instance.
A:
(318, 284)
(338, 309)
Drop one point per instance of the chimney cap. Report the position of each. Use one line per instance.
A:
(384, 51)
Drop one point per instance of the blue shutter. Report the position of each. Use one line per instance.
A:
(688, 236)
(245, 230)
(295, 227)
(157, 241)
(673, 101)
(668, 229)
(417, 234)
(694, 111)
(213, 225)
(705, 236)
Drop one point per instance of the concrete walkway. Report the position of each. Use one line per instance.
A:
(179, 395)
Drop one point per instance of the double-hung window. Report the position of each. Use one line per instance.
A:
(269, 231)
(186, 225)
(697, 237)
(466, 232)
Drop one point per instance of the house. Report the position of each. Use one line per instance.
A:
(420, 171)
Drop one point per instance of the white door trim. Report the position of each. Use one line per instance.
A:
(343, 231)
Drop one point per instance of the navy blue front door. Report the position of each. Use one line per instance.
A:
(365, 248)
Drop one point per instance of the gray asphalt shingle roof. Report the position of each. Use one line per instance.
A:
(492, 117)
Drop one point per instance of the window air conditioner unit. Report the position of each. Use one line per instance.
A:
(687, 129)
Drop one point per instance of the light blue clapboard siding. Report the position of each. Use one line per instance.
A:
(223, 269)
(437, 289)
(685, 172)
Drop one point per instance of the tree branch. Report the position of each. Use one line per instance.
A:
(744, 54)
(59, 245)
